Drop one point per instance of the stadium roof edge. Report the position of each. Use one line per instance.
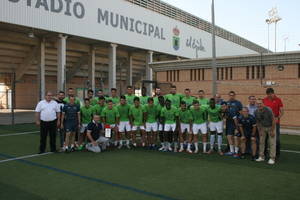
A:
(202, 24)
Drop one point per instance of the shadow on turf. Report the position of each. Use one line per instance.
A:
(12, 192)
(288, 162)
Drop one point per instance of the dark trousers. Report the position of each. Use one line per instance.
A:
(277, 139)
(48, 127)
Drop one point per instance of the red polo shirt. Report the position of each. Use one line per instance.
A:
(275, 104)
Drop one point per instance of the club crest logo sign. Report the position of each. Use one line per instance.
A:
(176, 38)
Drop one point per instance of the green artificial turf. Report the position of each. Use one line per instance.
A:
(143, 174)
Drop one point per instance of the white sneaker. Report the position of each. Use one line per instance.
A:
(169, 148)
(161, 148)
(134, 144)
(181, 150)
(260, 159)
(271, 162)
(196, 151)
(189, 151)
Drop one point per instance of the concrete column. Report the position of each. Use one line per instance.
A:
(149, 74)
(129, 70)
(112, 75)
(91, 69)
(61, 62)
(41, 70)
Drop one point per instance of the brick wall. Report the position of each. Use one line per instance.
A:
(287, 87)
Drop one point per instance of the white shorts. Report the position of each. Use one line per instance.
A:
(83, 128)
(200, 127)
(151, 127)
(134, 128)
(185, 127)
(216, 126)
(170, 127)
(160, 127)
(124, 126)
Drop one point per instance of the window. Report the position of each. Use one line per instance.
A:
(173, 75)
(218, 71)
(196, 74)
(248, 72)
(258, 72)
(263, 71)
(253, 72)
(222, 73)
(226, 73)
(231, 74)
(203, 71)
(298, 70)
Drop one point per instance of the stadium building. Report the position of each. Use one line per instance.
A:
(56, 44)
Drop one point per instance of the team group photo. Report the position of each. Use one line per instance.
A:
(149, 100)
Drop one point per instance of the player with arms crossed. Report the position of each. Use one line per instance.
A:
(199, 113)
(150, 116)
(185, 125)
(215, 125)
(137, 121)
(170, 117)
(124, 124)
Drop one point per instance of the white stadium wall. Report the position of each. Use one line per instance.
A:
(134, 26)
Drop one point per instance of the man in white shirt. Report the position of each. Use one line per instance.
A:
(48, 118)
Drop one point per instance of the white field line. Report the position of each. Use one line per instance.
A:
(23, 157)
(14, 134)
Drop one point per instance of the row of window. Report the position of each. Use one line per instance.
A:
(173, 75)
(255, 72)
(224, 73)
(197, 74)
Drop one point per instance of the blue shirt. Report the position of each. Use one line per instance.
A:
(234, 106)
(71, 112)
(247, 123)
(95, 129)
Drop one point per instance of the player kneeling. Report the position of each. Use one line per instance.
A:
(199, 114)
(96, 142)
(247, 125)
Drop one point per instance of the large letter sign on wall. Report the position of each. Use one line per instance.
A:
(117, 21)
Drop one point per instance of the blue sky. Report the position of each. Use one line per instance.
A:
(246, 18)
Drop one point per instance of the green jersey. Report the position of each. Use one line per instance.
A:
(144, 100)
(175, 99)
(203, 101)
(94, 101)
(151, 113)
(159, 107)
(188, 100)
(97, 109)
(137, 115)
(86, 114)
(155, 99)
(185, 116)
(77, 100)
(115, 100)
(124, 112)
(129, 99)
(169, 114)
(110, 115)
(214, 114)
(199, 115)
